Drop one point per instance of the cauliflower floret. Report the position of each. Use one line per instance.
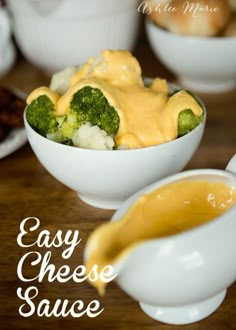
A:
(60, 81)
(92, 137)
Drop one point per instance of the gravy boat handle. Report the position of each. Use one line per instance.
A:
(231, 167)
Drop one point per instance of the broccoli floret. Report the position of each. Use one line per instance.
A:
(70, 125)
(58, 137)
(187, 121)
(91, 106)
(40, 115)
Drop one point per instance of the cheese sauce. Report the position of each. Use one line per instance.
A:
(169, 210)
(147, 115)
(53, 96)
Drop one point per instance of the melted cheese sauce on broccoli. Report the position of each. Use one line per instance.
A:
(53, 96)
(148, 116)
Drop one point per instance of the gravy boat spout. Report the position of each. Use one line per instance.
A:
(180, 278)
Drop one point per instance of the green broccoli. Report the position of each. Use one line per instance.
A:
(187, 121)
(70, 125)
(90, 106)
(40, 115)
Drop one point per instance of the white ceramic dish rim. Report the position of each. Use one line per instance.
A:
(187, 38)
(15, 139)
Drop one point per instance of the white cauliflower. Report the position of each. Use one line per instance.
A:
(92, 137)
(60, 81)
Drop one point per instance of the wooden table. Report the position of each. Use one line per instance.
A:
(27, 190)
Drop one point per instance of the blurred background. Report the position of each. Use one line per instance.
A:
(57, 33)
(191, 40)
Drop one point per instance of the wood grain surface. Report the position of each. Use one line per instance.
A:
(27, 189)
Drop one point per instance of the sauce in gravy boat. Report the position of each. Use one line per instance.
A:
(172, 245)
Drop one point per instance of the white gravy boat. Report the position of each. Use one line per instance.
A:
(181, 279)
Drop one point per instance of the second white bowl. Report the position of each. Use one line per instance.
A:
(202, 64)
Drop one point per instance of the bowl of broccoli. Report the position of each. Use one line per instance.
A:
(106, 178)
(90, 137)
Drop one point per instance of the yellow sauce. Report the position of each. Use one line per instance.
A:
(119, 68)
(53, 96)
(147, 115)
(169, 210)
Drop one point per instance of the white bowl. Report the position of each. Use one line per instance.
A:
(106, 178)
(60, 33)
(201, 64)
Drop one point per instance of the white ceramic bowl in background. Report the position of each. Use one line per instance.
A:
(7, 50)
(106, 178)
(200, 63)
(58, 33)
